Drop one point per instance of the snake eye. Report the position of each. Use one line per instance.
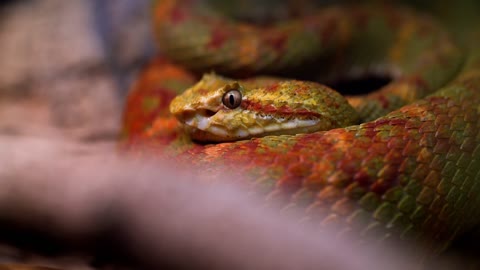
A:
(232, 99)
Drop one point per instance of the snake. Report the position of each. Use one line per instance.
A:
(401, 162)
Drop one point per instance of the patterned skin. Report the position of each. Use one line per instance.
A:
(411, 174)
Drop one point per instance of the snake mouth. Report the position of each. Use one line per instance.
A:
(195, 118)
(197, 123)
(201, 130)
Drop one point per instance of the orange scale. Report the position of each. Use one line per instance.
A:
(471, 116)
(388, 172)
(315, 180)
(442, 146)
(381, 186)
(468, 144)
(425, 156)
(395, 142)
(394, 156)
(411, 148)
(438, 163)
(378, 148)
(288, 184)
(300, 169)
(413, 124)
(427, 140)
(362, 142)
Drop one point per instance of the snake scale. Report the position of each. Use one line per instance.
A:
(409, 170)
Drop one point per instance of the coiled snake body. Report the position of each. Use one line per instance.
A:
(412, 173)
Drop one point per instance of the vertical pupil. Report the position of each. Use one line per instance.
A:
(231, 99)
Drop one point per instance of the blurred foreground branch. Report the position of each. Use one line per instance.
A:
(159, 217)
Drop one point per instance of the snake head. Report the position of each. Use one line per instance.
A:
(218, 109)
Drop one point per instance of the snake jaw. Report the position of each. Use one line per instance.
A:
(243, 125)
(206, 125)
